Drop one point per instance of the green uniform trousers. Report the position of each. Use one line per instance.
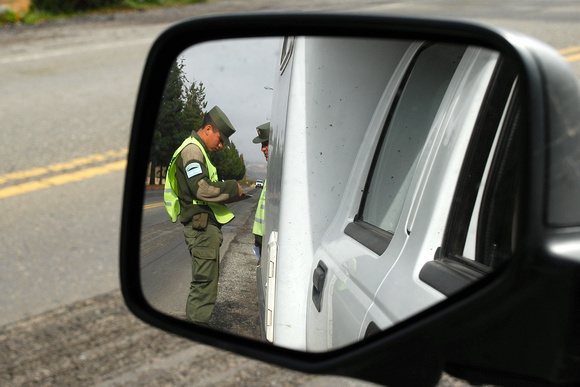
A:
(204, 247)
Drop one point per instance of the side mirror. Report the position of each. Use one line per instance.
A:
(421, 196)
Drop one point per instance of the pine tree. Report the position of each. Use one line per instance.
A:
(195, 105)
(229, 163)
(181, 112)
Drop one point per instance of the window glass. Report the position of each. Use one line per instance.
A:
(406, 132)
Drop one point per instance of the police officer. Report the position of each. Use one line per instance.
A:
(193, 191)
(258, 230)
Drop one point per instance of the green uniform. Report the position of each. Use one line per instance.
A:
(193, 192)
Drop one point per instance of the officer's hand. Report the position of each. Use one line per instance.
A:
(240, 190)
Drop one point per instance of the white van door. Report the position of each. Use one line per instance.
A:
(393, 218)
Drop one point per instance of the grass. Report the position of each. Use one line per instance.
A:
(17, 13)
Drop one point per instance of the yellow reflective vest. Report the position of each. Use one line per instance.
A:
(222, 213)
(259, 226)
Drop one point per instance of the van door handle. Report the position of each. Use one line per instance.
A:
(318, 278)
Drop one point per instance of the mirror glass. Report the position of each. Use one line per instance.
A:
(375, 171)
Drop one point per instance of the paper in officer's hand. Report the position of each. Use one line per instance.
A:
(238, 198)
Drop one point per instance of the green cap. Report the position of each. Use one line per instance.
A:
(263, 133)
(224, 126)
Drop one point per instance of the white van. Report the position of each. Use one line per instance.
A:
(384, 163)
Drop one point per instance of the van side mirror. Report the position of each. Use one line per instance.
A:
(421, 196)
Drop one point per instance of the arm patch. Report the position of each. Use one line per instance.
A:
(193, 169)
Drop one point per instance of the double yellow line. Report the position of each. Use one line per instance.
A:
(81, 170)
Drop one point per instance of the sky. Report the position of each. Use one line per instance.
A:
(239, 76)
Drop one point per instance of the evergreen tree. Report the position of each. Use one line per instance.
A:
(195, 105)
(229, 163)
(180, 113)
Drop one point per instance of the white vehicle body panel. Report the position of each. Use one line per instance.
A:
(328, 116)
(306, 183)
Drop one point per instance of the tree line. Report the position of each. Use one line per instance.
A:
(181, 112)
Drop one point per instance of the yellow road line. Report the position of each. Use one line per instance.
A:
(571, 54)
(569, 50)
(153, 205)
(572, 58)
(62, 179)
(60, 167)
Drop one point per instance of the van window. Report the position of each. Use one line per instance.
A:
(405, 133)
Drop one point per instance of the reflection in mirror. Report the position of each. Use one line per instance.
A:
(373, 175)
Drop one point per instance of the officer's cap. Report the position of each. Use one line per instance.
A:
(224, 126)
(263, 133)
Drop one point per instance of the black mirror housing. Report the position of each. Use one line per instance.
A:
(517, 325)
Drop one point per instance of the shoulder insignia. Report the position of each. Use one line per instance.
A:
(193, 169)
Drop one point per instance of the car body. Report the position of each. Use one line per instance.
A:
(259, 183)
(377, 202)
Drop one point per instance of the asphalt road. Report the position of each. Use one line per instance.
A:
(166, 262)
(67, 92)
